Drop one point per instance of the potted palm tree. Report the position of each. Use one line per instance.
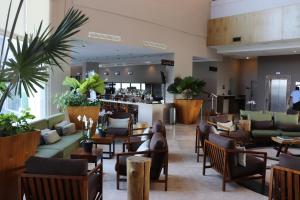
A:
(188, 107)
(77, 102)
(27, 70)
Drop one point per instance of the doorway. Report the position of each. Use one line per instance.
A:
(278, 90)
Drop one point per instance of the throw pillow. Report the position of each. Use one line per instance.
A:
(118, 123)
(214, 130)
(241, 157)
(146, 131)
(58, 127)
(290, 127)
(262, 125)
(43, 131)
(51, 137)
(68, 129)
(145, 146)
(227, 126)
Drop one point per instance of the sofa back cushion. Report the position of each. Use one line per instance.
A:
(221, 141)
(262, 125)
(244, 113)
(55, 119)
(289, 161)
(257, 116)
(280, 118)
(56, 166)
(158, 142)
(40, 124)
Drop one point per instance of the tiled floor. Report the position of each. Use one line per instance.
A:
(185, 175)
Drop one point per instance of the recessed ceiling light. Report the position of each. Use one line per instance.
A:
(100, 65)
(295, 51)
(247, 57)
(148, 62)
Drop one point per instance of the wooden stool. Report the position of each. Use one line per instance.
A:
(138, 178)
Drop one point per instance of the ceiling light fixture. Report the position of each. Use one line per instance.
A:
(154, 44)
(103, 36)
(295, 51)
(247, 57)
(106, 73)
(130, 73)
(117, 73)
(148, 62)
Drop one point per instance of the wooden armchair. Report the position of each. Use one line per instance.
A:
(50, 178)
(158, 152)
(285, 179)
(121, 132)
(221, 153)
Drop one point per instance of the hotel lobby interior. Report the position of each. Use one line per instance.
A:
(141, 99)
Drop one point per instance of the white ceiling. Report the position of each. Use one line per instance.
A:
(286, 47)
(115, 54)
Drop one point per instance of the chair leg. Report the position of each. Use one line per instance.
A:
(204, 164)
(196, 143)
(117, 180)
(263, 182)
(223, 184)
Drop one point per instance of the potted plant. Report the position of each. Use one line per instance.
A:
(26, 70)
(86, 124)
(77, 102)
(189, 107)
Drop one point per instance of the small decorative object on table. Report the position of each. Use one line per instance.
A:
(103, 122)
(87, 142)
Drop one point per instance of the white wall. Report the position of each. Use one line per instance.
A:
(223, 8)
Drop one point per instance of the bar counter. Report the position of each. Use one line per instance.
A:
(146, 112)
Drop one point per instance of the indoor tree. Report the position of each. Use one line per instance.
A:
(36, 56)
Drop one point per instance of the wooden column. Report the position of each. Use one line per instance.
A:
(138, 178)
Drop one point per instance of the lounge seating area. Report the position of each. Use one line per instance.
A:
(149, 100)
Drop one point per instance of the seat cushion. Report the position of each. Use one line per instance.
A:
(253, 166)
(47, 153)
(289, 161)
(64, 142)
(117, 131)
(56, 166)
(94, 186)
(265, 133)
(290, 134)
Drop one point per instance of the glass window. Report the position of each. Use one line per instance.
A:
(143, 86)
(118, 86)
(36, 103)
(136, 85)
(125, 85)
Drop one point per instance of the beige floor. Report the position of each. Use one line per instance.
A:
(185, 175)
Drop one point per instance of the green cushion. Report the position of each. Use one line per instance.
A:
(247, 112)
(256, 116)
(290, 134)
(55, 119)
(47, 153)
(280, 118)
(64, 142)
(265, 133)
(40, 124)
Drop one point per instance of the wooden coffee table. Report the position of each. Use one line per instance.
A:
(92, 157)
(284, 143)
(107, 140)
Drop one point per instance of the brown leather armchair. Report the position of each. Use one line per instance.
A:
(158, 153)
(222, 153)
(52, 178)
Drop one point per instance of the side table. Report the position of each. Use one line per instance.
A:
(107, 140)
(92, 157)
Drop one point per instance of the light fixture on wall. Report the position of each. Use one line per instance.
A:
(117, 73)
(106, 73)
(130, 73)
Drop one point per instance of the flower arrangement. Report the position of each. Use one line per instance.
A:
(87, 124)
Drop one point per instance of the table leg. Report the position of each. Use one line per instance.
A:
(279, 150)
(113, 147)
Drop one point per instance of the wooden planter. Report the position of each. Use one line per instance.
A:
(187, 110)
(14, 151)
(88, 111)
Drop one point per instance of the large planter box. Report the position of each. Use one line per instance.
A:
(14, 151)
(88, 111)
(187, 110)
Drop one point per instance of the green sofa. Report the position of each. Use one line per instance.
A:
(64, 147)
(265, 125)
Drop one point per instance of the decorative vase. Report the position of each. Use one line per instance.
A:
(87, 146)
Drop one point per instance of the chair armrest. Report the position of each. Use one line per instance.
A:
(143, 134)
(140, 152)
(97, 169)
